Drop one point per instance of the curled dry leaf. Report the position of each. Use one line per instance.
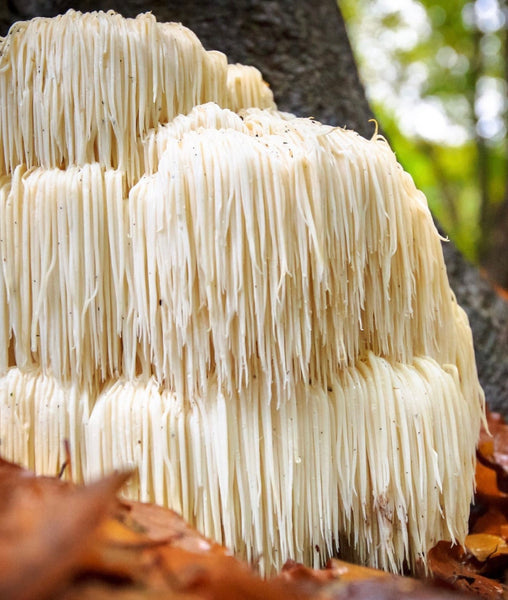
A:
(484, 546)
(457, 567)
(161, 524)
(345, 581)
(492, 520)
(401, 588)
(45, 525)
(128, 545)
(493, 449)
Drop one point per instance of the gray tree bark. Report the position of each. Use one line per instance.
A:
(303, 51)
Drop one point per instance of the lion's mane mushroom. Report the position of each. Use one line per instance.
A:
(248, 308)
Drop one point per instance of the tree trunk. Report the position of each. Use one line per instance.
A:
(303, 51)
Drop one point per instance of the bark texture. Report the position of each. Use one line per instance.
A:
(303, 51)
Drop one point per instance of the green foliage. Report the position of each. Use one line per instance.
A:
(436, 77)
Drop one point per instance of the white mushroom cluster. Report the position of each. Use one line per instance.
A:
(248, 309)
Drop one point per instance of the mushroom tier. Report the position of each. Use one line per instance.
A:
(378, 464)
(80, 88)
(261, 327)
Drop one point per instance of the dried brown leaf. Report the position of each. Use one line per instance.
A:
(65, 542)
(45, 525)
(493, 448)
(484, 546)
(454, 565)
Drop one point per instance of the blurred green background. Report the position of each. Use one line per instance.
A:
(436, 77)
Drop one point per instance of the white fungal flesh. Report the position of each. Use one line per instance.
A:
(246, 88)
(251, 310)
(245, 251)
(81, 88)
(383, 457)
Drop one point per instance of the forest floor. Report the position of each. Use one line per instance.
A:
(60, 541)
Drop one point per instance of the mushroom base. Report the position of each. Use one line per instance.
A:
(383, 457)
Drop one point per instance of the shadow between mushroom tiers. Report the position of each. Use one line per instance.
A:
(249, 309)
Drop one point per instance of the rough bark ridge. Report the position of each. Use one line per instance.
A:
(303, 51)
